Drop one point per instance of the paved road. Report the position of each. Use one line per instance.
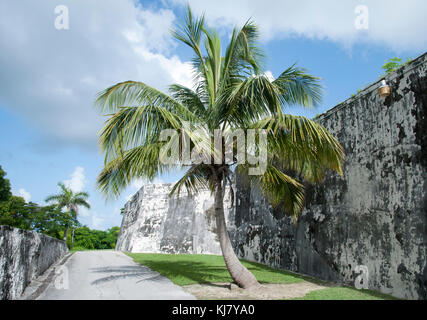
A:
(106, 275)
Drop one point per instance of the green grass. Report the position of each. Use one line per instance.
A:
(78, 249)
(75, 249)
(345, 293)
(185, 269)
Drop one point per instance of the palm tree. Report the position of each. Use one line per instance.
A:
(231, 92)
(69, 199)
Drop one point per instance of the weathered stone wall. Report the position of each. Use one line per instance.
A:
(154, 222)
(24, 255)
(375, 215)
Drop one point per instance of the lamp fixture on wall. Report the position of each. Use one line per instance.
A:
(384, 89)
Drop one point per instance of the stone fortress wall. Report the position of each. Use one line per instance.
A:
(155, 222)
(375, 215)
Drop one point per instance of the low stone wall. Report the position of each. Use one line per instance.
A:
(25, 255)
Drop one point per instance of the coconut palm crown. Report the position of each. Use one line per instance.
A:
(231, 92)
(69, 199)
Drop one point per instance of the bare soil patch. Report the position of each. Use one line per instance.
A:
(214, 291)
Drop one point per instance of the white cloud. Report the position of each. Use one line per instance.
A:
(97, 222)
(25, 194)
(51, 77)
(269, 75)
(394, 23)
(77, 181)
(84, 212)
(104, 221)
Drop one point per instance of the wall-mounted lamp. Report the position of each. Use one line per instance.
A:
(384, 89)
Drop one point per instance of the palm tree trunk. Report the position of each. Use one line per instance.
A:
(65, 234)
(242, 276)
(72, 238)
(66, 227)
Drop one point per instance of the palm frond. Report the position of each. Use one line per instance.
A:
(194, 180)
(213, 63)
(81, 194)
(133, 126)
(280, 189)
(56, 198)
(188, 98)
(250, 101)
(243, 56)
(80, 202)
(297, 87)
(302, 145)
(190, 32)
(137, 94)
(139, 162)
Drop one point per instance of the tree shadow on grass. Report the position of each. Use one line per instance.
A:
(181, 272)
(208, 270)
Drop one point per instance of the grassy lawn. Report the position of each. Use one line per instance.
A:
(185, 269)
(344, 293)
(76, 249)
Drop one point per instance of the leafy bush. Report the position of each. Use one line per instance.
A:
(95, 239)
(79, 248)
(393, 64)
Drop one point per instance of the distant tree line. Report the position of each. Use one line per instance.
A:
(50, 220)
(85, 238)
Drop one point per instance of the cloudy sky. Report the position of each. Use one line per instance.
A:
(49, 78)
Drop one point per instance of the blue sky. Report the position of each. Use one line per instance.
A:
(49, 77)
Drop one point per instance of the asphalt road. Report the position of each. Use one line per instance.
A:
(107, 275)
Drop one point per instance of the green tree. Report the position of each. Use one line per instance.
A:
(113, 234)
(5, 192)
(84, 238)
(231, 93)
(96, 239)
(392, 65)
(51, 220)
(15, 213)
(71, 201)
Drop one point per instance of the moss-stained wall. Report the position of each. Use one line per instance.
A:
(25, 255)
(375, 215)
